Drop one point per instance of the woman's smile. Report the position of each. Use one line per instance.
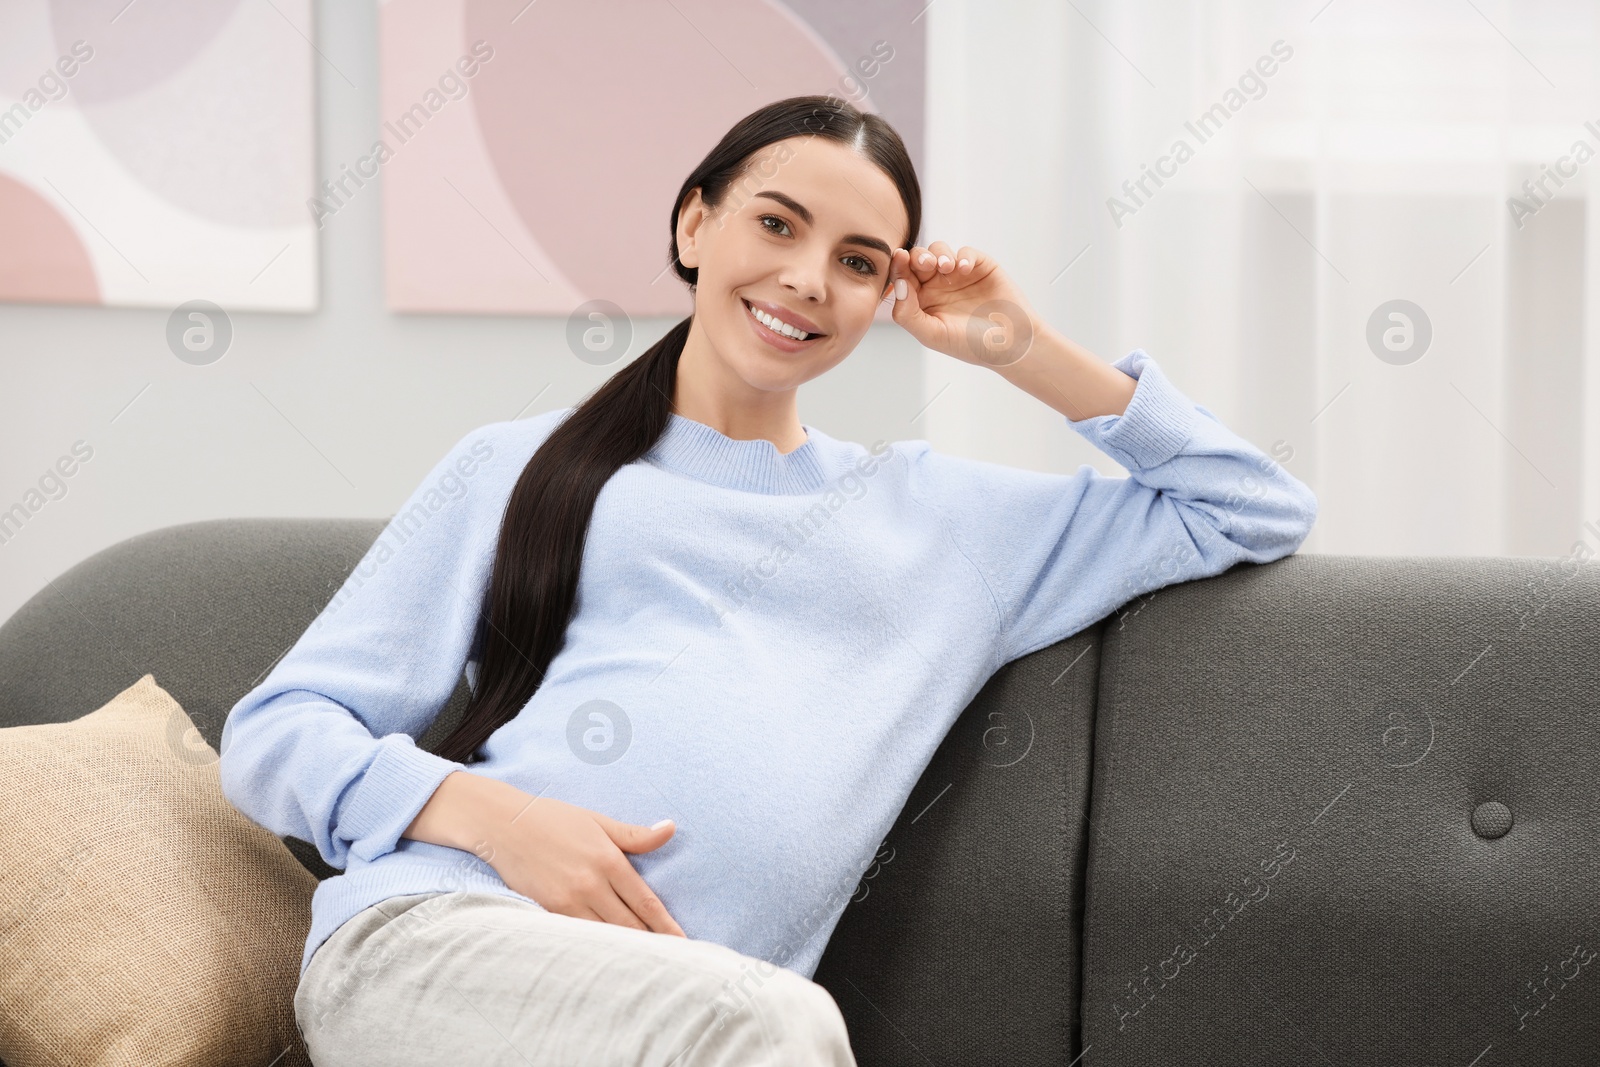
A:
(771, 336)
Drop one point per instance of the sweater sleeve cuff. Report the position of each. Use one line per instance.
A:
(395, 787)
(1156, 424)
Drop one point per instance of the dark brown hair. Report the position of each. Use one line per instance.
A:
(534, 584)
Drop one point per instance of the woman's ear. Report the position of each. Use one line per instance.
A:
(690, 219)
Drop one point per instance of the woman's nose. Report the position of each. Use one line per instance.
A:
(805, 278)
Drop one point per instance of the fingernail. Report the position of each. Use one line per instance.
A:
(900, 289)
(659, 825)
(963, 262)
(926, 259)
(943, 260)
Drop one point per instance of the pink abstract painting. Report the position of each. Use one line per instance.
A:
(530, 151)
(157, 152)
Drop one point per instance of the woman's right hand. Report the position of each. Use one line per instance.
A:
(568, 859)
(571, 861)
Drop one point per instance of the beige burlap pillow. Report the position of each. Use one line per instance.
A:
(143, 919)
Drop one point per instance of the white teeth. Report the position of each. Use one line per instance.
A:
(775, 325)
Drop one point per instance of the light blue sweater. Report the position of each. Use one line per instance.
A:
(767, 648)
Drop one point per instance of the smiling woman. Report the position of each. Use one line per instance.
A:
(722, 367)
(784, 292)
(684, 618)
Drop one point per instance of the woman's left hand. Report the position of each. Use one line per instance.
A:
(962, 304)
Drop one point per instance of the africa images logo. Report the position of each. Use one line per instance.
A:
(851, 485)
(452, 85)
(1251, 85)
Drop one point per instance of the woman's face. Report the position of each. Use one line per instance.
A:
(805, 235)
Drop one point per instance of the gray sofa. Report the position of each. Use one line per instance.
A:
(1330, 810)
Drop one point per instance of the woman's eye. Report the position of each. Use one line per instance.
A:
(867, 266)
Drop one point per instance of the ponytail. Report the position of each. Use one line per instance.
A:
(546, 522)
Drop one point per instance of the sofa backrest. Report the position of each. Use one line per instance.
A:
(207, 607)
(1347, 810)
(1245, 819)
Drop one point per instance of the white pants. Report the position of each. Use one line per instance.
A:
(475, 978)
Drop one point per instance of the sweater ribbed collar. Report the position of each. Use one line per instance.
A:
(757, 466)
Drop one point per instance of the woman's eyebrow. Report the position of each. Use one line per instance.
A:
(805, 216)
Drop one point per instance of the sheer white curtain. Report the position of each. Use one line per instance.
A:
(1373, 164)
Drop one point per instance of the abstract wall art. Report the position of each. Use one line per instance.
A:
(530, 151)
(156, 152)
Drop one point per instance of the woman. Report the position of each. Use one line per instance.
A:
(678, 600)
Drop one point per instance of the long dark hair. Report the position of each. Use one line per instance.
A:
(534, 586)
